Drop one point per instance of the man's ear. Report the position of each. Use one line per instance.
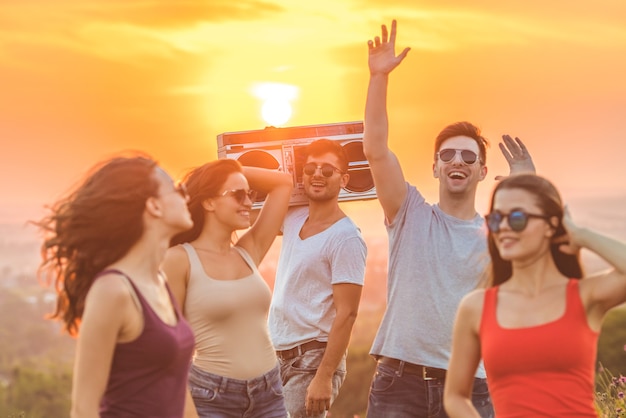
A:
(483, 172)
(435, 171)
(345, 178)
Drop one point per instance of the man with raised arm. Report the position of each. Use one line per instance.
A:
(437, 252)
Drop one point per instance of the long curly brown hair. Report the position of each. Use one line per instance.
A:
(93, 227)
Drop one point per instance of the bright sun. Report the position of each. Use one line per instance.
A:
(276, 109)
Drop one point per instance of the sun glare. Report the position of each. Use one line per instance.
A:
(276, 109)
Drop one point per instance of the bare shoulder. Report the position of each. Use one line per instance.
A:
(472, 303)
(175, 253)
(175, 259)
(109, 289)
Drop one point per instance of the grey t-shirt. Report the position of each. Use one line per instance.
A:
(302, 304)
(434, 260)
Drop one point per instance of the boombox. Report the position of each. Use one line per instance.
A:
(282, 149)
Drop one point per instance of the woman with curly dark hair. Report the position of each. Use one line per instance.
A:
(103, 246)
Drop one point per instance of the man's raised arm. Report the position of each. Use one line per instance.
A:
(386, 170)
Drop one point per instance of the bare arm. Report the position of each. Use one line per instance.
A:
(604, 290)
(346, 298)
(385, 167)
(190, 407)
(106, 312)
(464, 359)
(175, 265)
(278, 186)
(517, 155)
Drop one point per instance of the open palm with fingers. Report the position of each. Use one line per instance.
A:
(382, 54)
(516, 155)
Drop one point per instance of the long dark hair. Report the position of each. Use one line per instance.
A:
(93, 227)
(202, 183)
(549, 200)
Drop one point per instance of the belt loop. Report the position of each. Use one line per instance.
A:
(300, 350)
(400, 370)
(223, 385)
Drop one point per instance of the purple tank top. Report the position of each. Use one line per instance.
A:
(148, 375)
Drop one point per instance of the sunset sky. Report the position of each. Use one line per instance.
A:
(83, 79)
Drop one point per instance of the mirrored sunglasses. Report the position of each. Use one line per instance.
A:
(448, 154)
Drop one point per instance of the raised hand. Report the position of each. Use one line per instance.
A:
(382, 54)
(516, 155)
(569, 242)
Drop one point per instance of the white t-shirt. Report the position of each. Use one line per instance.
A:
(302, 307)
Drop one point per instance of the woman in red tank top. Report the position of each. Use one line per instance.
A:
(536, 326)
(102, 249)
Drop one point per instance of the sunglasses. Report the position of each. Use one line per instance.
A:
(240, 195)
(181, 189)
(517, 220)
(327, 169)
(448, 154)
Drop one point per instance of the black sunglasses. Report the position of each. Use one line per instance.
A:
(181, 189)
(241, 194)
(327, 169)
(448, 154)
(517, 220)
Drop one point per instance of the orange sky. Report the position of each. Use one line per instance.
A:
(83, 79)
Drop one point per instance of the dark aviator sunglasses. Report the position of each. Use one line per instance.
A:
(327, 169)
(447, 155)
(517, 220)
(241, 194)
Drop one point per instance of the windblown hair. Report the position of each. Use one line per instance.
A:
(93, 227)
(203, 183)
(323, 146)
(548, 199)
(463, 129)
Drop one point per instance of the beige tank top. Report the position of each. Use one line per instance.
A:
(229, 321)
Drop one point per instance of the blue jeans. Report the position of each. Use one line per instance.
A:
(394, 394)
(220, 397)
(297, 374)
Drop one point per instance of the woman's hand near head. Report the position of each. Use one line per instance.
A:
(571, 242)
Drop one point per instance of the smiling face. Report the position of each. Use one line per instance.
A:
(319, 188)
(530, 243)
(457, 177)
(227, 207)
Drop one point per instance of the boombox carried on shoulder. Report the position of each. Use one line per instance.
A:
(282, 149)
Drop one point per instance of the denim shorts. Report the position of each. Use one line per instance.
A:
(221, 397)
(394, 394)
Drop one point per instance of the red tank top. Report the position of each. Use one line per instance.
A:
(148, 375)
(540, 371)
